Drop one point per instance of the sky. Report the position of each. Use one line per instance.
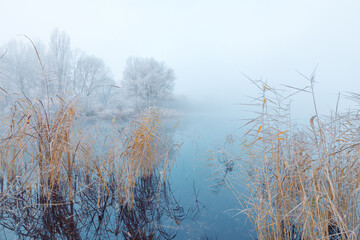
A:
(210, 44)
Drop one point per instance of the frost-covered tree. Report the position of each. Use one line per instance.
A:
(36, 71)
(147, 81)
(60, 59)
(90, 74)
(20, 69)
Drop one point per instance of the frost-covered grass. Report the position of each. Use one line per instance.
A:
(126, 113)
(303, 182)
(42, 155)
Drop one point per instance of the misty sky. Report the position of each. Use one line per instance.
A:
(209, 44)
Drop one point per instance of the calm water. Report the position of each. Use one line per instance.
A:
(187, 208)
(202, 133)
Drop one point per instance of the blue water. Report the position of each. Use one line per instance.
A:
(193, 173)
(190, 207)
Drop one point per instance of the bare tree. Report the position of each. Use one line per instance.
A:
(148, 81)
(105, 92)
(64, 71)
(20, 71)
(60, 56)
(90, 74)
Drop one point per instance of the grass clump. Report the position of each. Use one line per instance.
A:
(36, 151)
(60, 180)
(304, 182)
(43, 155)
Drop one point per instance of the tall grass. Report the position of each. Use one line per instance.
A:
(303, 182)
(43, 155)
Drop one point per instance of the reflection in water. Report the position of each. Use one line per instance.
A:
(60, 184)
(224, 164)
(145, 219)
(97, 210)
(38, 217)
(155, 214)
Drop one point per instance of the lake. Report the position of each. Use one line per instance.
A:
(191, 204)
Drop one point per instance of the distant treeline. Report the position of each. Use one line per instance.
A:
(35, 70)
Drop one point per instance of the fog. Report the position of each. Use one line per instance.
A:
(198, 63)
(209, 44)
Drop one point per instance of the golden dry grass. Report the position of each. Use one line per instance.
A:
(43, 155)
(303, 182)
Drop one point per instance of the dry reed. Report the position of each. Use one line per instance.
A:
(41, 154)
(303, 182)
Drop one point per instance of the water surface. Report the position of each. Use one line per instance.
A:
(190, 204)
